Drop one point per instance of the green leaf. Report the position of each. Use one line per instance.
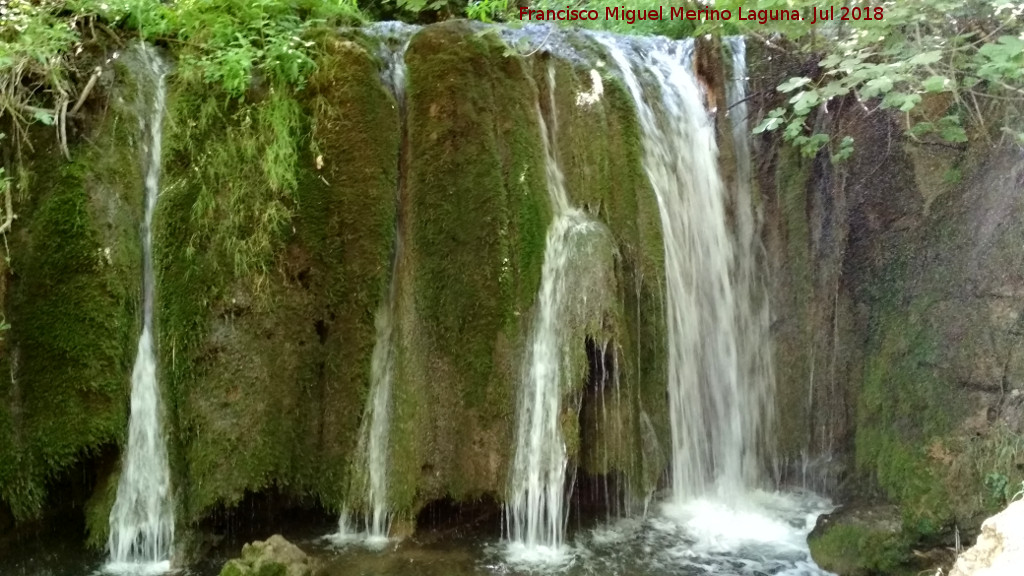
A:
(793, 84)
(794, 128)
(43, 116)
(1006, 49)
(926, 58)
(833, 89)
(830, 62)
(768, 124)
(911, 101)
(804, 101)
(845, 150)
(935, 83)
(876, 87)
(953, 133)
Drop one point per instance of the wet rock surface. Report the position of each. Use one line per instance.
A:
(274, 556)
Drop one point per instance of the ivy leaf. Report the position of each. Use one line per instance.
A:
(804, 101)
(1006, 49)
(793, 84)
(911, 101)
(768, 124)
(830, 62)
(43, 116)
(833, 89)
(970, 81)
(926, 58)
(922, 128)
(845, 150)
(876, 86)
(935, 83)
(793, 129)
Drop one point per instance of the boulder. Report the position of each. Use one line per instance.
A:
(273, 557)
(859, 541)
(1000, 547)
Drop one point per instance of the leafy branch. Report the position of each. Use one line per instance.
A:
(944, 65)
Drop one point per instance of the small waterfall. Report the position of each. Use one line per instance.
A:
(537, 504)
(753, 319)
(376, 435)
(142, 519)
(371, 467)
(715, 402)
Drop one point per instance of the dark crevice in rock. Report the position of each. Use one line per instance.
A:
(446, 518)
(321, 330)
(597, 498)
(261, 514)
(601, 366)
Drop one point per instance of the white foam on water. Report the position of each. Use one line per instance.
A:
(137, 568)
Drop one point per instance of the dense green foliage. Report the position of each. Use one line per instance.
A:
(954, 69)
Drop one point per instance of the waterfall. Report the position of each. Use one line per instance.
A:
(753, 319)
(537, 504)
(716, 402)
(370, 472)
(142, 519)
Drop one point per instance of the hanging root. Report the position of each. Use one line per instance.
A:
(85, 91)
(8, 210)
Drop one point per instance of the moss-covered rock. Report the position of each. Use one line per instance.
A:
(73, 286)
(861, 542)
(273, 557)
(599, 146)
(272, 253)
(473, 219)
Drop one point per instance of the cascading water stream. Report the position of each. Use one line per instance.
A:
(537, 504)
(753, 319)
(373, 448)
(715, 404)
(142, 519)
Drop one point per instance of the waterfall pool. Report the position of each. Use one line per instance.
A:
(763, 535)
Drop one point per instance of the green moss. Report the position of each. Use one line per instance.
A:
(349, 224)
(72, 308)
(855, 550)
(97, 510)
(474, 218)
(904, 407)
(599, 146)
(233, 568)
(795, 348)
(272, 255)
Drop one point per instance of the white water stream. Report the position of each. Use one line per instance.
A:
(537, 505)
(373, 450)
(716, 403)
(142, 519)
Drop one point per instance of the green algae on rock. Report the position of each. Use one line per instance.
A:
(267, 360)
(71, 300)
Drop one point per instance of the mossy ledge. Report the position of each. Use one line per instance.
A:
(73, 283)
(266, 361)
(274, 246)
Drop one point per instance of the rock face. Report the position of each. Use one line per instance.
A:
(284, 221)
(897, 299)
(858, 541)
(275, 556)
(1000, 547)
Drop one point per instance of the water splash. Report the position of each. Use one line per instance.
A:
(142, 519)
(716, 403)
